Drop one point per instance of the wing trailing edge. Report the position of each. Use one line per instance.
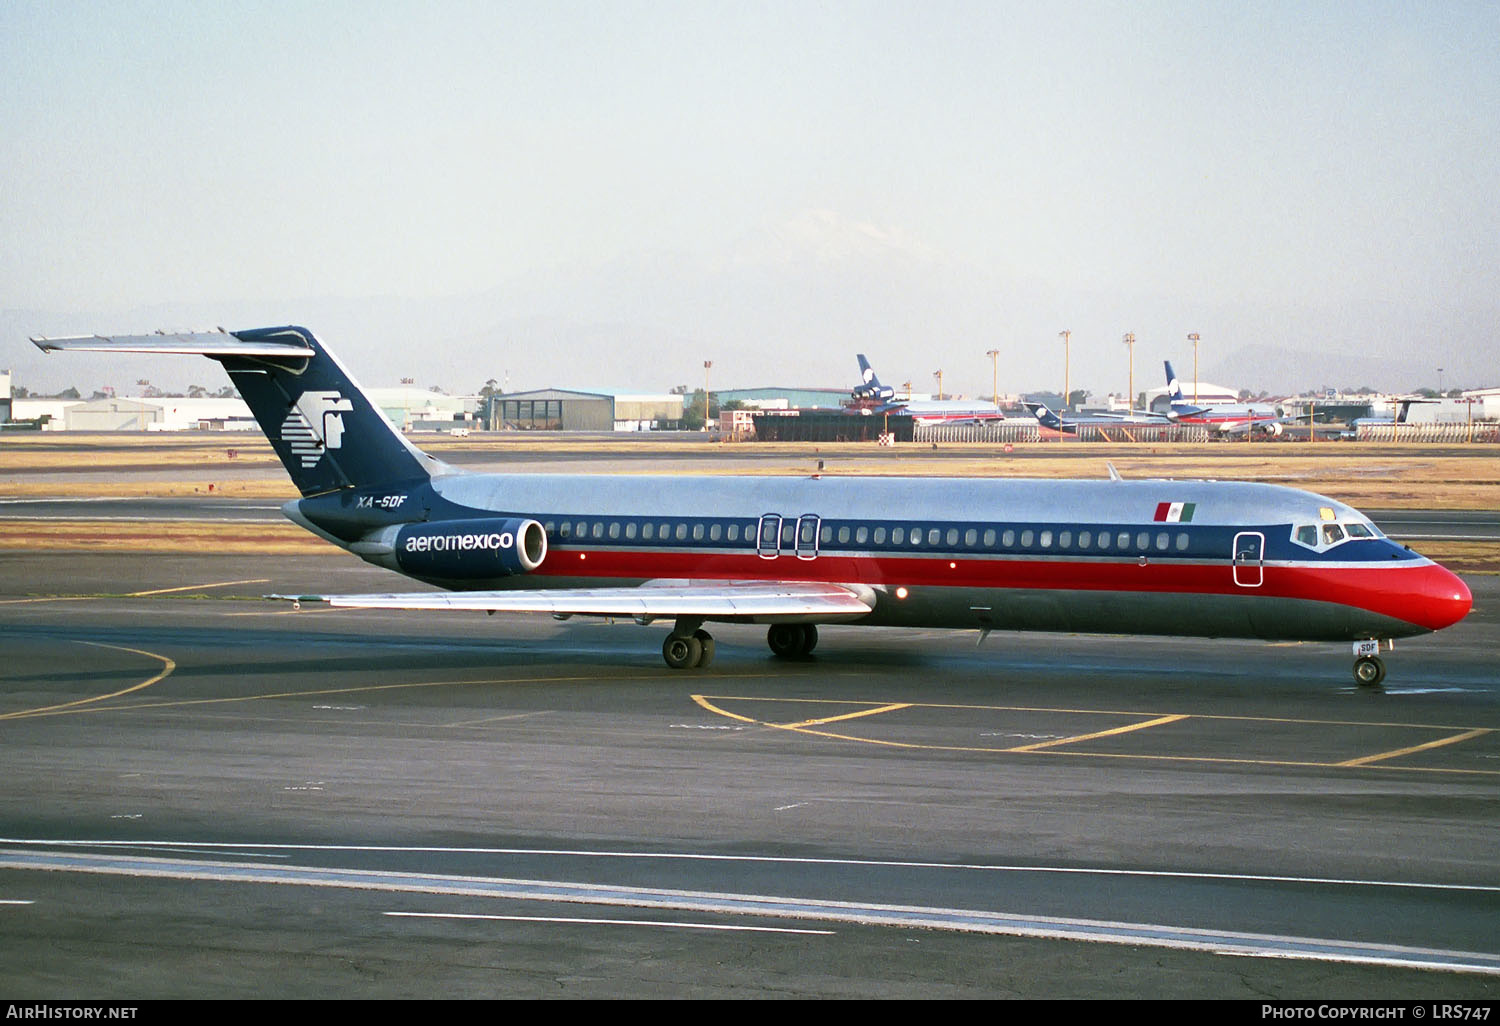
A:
(790, 600)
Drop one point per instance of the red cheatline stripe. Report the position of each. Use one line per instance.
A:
(1417, 593)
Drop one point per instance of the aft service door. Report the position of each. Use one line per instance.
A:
(1249, 559)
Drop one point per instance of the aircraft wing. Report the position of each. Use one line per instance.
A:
(715, 600)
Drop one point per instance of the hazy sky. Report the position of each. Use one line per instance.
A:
(1234, 168)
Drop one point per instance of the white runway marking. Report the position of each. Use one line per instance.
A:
(1222, 942)
(584, 921)
(1161, 874)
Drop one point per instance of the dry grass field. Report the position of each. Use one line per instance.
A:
(1375, 476)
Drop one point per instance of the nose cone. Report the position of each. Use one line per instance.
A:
(1442, 599)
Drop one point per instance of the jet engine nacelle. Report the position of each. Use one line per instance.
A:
(1272, 428)
(471, 549)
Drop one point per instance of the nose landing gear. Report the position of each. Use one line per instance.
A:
(1369, 668)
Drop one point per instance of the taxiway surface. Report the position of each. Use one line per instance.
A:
(211, 795)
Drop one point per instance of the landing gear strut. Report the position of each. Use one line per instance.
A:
(1369, 670)
(688, 646)
(792, 640)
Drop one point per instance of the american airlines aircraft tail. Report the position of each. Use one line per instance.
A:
(1196, 558)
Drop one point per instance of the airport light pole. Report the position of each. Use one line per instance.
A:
(939, 375)
(1067, 337)
(1129, 341)
(707, 365)
(1193, 338)
(994, 355)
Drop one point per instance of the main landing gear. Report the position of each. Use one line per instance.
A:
(792, 640)
(1369, 668)
(683, 650)
(689, 646)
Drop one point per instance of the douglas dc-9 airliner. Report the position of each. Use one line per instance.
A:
(1192, 558)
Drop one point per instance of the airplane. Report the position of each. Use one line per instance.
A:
(1237, 419)
(1403, 412)
(1191, 558)
(1070, 425)
(922, 411)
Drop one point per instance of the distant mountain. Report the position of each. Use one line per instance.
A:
(793, 302)
(1286, 371)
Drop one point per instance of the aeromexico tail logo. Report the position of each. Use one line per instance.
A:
(314, 425)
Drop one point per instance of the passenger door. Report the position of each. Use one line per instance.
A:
(1249, 559)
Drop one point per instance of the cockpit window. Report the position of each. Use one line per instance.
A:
(1332, 534)
(1357, 530)
(1307, 534)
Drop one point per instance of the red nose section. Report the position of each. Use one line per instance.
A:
(1437, 599)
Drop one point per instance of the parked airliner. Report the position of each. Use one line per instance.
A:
(922, 411)
(1231, 419)
(1069, 424)
(1199, 558)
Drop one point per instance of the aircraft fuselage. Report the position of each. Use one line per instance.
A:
(1089, 556)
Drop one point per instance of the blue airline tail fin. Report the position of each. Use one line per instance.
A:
(1173, 387)
(1045, 416)
(326, 431)
(870, 386)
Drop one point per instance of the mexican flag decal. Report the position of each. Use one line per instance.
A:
(1174, 512)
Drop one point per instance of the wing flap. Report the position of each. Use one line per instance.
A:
(190, 343)
(712, 600)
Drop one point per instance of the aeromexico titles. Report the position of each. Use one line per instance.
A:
(1193, 558)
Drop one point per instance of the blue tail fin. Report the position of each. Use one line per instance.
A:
(1045, 416)
(320, 422)
(323, 427)
(870, 386)
(1173, 387)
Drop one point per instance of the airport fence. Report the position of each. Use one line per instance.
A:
(1021, 431)
(999, 431)
(1446, 432)
(1144, 433)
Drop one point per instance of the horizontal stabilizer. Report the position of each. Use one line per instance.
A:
(711, 599)
(189, 343)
